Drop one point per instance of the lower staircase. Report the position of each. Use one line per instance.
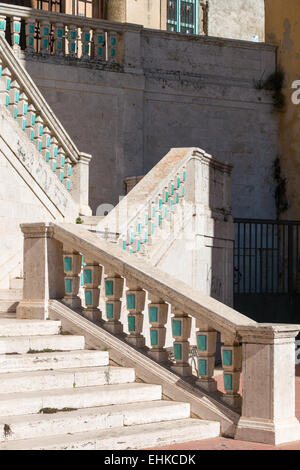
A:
(55, 394)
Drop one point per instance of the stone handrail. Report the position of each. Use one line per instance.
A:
(159, 201)
(29, 108)
(65, 35)
(263, 354)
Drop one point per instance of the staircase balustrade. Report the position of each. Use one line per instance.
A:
(61, 35)
(262, 354)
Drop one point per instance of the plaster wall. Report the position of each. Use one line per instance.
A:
(237, 19)
(182, 92)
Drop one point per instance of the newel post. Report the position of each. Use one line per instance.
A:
(43, 271)
(268, 378)
(80, 184)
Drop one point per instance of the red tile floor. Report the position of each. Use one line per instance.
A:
(221, 443)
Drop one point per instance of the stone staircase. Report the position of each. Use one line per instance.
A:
(55, 394)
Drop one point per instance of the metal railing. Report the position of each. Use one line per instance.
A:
(266, 256)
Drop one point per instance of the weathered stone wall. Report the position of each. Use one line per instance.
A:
(182, 92)
(234, 19)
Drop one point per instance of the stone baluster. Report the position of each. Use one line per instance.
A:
(15, 25)
(53, 153)
(206, 349)
(38, 133)
(67, 174)
(60, 165)
(165, 212)
(22, 110)
(2, 25)
(72, 38)
(158, 317)
(136, 247)
(99, 44)
(139, 226)
(182, 186)
(46, 142)
(184, 174)
(14, 97)
(5, 86)
(30, 122)
(172, 198)
(130, 238)
(135, 302)
(114, 285)
(72, 268)
(45, 36)
(231, 353)
(59, 33)
(86, 42)
(112, 46)
(30, 34)
(92, 274)
(159, 217)
(138, 239)
(181, 330)
(123, 243)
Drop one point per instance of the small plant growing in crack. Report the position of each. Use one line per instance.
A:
(7, 430)
(49, 411)
(107, 376)
(37, 351)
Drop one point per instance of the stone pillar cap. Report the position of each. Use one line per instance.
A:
(267, 331)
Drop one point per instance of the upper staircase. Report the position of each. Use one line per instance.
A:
(42, 173)
(148, 287)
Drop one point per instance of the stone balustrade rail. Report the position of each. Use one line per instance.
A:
(263, 353)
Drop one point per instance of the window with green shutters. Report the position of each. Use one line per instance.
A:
(182, 16)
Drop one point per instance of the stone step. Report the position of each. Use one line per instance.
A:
(129, 437)
(54, 360)
(8, 314)
(45, 343)
(14, 294)
(14, 327)
(8, 306)
(90, 419)
(84, 397)
(65, 378)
